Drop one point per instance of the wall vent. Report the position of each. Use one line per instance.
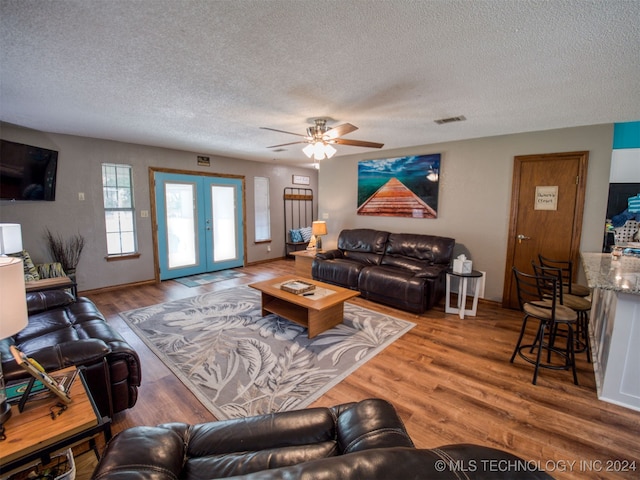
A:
(459, 118)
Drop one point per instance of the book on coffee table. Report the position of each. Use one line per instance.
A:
(297, 287)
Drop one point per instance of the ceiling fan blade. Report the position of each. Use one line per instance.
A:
(357, 143)
(285, 144)
(340, 130)
(282, 131)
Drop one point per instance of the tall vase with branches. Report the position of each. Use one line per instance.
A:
(66, 252)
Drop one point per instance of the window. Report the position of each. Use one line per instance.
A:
(261, 204)
(119, 214)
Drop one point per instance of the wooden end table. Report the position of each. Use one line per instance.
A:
(304, 260)
(54, 283)
(319, 312)
(34, 434)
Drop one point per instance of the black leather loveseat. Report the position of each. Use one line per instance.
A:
(64, 331)
(404, 270)
(364, 440)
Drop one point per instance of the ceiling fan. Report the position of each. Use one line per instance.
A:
(320, 138)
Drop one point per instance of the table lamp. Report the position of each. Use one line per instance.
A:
(10, 238)
(13, 314)
(318, 228)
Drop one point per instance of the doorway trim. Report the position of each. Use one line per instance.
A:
(154, 211)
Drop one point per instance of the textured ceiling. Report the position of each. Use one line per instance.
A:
(204, 76)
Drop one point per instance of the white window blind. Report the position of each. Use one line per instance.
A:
(262, 212)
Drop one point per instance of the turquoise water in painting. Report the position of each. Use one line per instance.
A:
(418, 184)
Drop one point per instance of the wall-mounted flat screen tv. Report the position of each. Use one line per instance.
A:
(27, 172)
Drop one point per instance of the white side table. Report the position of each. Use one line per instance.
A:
(461, 309)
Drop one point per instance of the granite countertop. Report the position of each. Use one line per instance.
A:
(621, 275)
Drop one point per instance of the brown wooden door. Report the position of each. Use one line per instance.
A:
(547, 202)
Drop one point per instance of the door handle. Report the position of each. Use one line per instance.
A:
(522, 237)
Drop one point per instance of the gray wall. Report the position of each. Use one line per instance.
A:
(474, 199)
(475, 192)
(79, 170)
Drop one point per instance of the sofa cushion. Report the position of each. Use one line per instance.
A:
(295, 236)
(30, 270)
(429, 248)
(371, 423)
(40, 301)
(413, 265)
(394, 286)
(339, 271)
(306, 234)
(161, 451)
(50, 270)
(363, 245)
(433, 271)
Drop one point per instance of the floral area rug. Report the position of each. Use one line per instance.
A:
(211, 277)
(239, 363)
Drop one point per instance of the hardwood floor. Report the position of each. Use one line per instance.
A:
(450, 380)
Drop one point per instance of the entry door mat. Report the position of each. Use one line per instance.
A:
(211, 277)
(239, 363)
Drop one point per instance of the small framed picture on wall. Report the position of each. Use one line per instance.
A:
(300, 180)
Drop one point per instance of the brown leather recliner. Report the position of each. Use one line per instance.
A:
(64, 331)
(404, 270)
(364, 440)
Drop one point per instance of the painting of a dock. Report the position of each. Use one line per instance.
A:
(399, 187)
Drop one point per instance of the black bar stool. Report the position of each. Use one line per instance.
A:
(538, 300)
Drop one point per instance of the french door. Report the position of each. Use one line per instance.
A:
(199, 221)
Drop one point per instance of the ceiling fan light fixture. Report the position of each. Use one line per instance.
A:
(329, 151)
(318, 150)
(308, 150)
(320, 139)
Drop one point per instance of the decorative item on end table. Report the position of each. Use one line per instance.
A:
(297, 286)
(67, 253)
(461, 264)
(13, 315)
(319, 228)
(38, 373)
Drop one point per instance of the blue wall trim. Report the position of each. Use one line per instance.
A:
(626, 135)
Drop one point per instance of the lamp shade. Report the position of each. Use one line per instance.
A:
(10, 238)
(13, 301)
(319, 227)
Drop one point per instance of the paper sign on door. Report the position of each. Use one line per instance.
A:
(546, 198)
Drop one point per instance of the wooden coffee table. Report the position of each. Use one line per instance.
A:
(319, 312)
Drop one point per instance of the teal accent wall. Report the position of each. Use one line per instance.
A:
(626, 135)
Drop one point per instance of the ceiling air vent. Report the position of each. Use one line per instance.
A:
(459, 118)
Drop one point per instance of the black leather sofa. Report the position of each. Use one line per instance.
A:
(64, 331)
(364, 440)
(404, 270)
